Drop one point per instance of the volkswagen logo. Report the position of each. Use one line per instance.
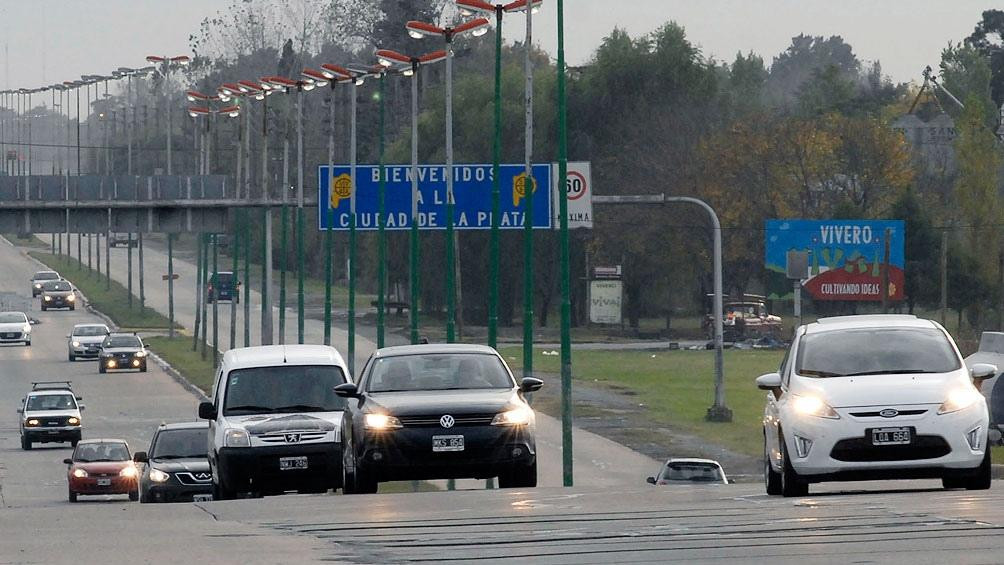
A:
(292, 438)
(889, 413)
(447, 421)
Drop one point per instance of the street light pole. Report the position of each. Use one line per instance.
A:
(180, 60)
(567, 460)
(528, 190)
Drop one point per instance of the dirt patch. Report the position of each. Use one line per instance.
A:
(620, 415)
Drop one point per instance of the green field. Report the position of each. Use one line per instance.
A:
(676, 387)
(113, 301)
(178, 353)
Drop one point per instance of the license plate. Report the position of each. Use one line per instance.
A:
(447, 443)
(891, 436)
(202, 498)
(291, 463)
(104, 482)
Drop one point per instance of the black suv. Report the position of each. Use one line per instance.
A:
(223, 285)
(176, 467)
(122, 351)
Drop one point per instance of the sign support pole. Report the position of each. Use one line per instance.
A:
(566, 304)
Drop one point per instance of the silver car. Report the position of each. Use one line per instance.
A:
(85, 341)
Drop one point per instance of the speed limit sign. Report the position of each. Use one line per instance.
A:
(579, 190)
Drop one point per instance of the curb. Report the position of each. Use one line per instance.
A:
(164, 365)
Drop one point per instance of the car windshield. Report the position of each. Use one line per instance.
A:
(285, 389)
(122, 341)
(101, 451)
(45, 276)
(438, 371)
(875, 351)
(691, 472)
(221, 278)
(12, 318)
(51, 402)
(177, 444)
(89, 331)
(57, 286)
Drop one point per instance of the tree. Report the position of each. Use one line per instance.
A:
(988, 39)
(805, 56)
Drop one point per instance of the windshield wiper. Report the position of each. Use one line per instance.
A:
(815, 373)
(248, 407)
(300, 408)
(890, 372)
(168, 457)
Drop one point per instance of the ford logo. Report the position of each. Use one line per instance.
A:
(889, 413)
(447, 421)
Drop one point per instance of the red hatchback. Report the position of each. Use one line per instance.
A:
(101, 466)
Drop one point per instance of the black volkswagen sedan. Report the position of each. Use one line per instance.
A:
(424, 412)
(176, 467)
(58, 294)
(122, 351)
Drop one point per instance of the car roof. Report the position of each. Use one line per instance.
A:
(273, 355)
(14, 312)
(102, 440)
(122, 334)
(75, 326)
(868, 321)
(184, 426)
(50, 391)
(692, 460)
(46, 273)
(433, 348)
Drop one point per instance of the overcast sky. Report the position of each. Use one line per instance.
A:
(46, 41)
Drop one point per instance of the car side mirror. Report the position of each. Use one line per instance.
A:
(32, 321)
(650, 480)
(207, 411)
(982, 371)
(68, 461)
(347, 390)
(530, 384)
(770, 381)
(20, 411)
(67, 336)
(81, 407)
(140, 457)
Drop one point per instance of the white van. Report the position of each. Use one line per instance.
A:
(275, 420)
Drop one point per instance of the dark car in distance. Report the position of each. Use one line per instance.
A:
(223, 285)
(122, 351)
(424, 412)
(58, 294)
(176, 468)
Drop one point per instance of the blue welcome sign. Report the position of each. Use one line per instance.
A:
(472, 194)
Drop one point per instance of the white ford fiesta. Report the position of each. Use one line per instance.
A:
(870, 398)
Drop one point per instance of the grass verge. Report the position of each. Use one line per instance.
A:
(674, 388)
(113, 301)
(177, 351)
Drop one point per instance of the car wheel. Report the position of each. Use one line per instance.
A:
(101, 368)
(519, 477)
(73, 307)
(364, 483)
(25, 443)
(791, 483)
(981, 480)
(134, 495)
(44, 308)
(222, 493)
(27, 343)
(142, 368)
(771, 478)
(72, 496)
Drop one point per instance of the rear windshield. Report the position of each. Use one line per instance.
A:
(122, 341)
(105, 451)
(438, 371)
(90, 331)
(57, 286)
(51, 402)
(875, 351)
(46, 276)
(286, 389)
(12, 317)
(692, 472)
(177, 444)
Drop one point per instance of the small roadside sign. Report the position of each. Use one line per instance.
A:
(578, 185)
(175, 276)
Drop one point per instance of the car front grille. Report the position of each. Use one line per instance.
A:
(10, 335)
(861, 450)
(294, 437)
(876, 413)
(459, 420)
(200, 478)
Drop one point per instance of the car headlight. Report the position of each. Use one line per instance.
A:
(79, 473)
(26, 329)
(381, 422)
(76, 344)
(111, 363)
(38, 285)
(158, 476)
(70, 298)
(139, 354)
(31, 422)
(959, 399)
(73, 421)
(128, 472)
(515, 417)
(813, 406)
(237, 438)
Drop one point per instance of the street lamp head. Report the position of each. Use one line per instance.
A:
(334, 72)
(154, 59)
(182, 60)
(316, 77)
(389, 58)
(476, 27)
(433, 57)
(196, 111)
(194, 95)
(420, 30)
(520, 6)
(230, 111)
(470, 7)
